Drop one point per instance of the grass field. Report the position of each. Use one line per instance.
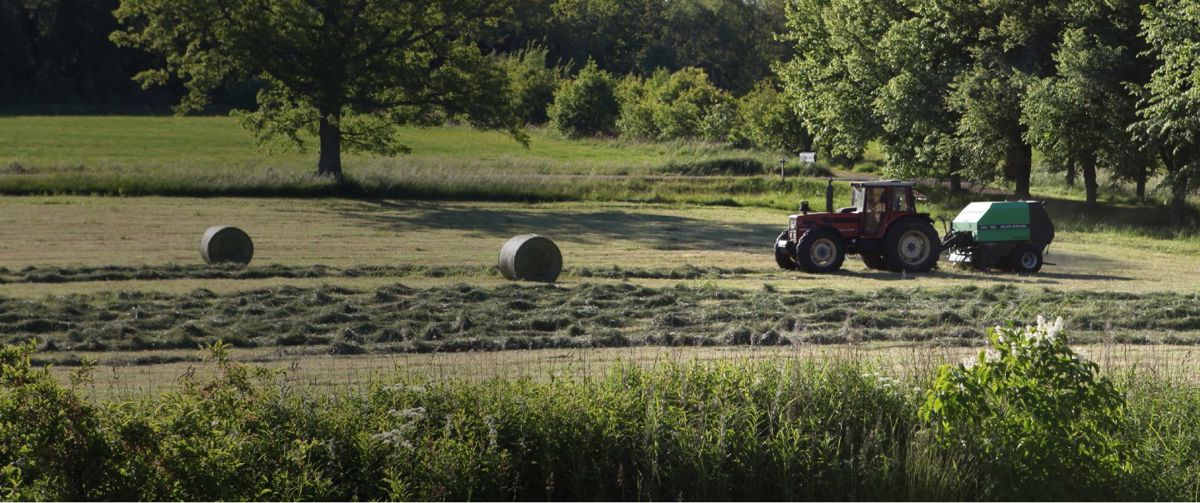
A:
(182, 146)
(81, 232)
(119, 376)
(372, 351)
(123, 274)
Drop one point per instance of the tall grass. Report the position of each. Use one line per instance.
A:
(731, 430)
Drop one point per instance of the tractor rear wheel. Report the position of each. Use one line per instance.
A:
(781, 257)
(874, 261)
(820, 251)
(911, 245)
(1026, 259)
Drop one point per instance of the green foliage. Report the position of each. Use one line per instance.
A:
(51, 447)
(768, 120)
(670, 106)
(586, 105)
(1169, 106)
(835, 73)
(731, 40)
(533, 82)
(721, 431)
(1027, 419)
(1036, 415)
(987, 97)
(346, 71)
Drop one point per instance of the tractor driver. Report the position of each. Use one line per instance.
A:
(877, 205)
(899, 201)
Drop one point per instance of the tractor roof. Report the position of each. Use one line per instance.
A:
(883, 183)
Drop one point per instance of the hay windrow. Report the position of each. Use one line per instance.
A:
(233, 271)
(398, 318)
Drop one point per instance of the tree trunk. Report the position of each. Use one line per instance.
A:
(330, 163)
(1179, 192)
(955, 183)
(1019, 166)
(1089, 180)
(1070, 173)
(1141, 187)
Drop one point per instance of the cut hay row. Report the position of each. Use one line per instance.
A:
(398, 318)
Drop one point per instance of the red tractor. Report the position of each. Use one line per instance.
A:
(881, 225)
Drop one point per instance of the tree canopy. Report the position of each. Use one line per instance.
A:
(349, 71)
(965, 88)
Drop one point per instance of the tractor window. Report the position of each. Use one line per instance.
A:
(856, 198)
(876, 205)
(900, 200)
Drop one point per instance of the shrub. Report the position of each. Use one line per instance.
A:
(533, 82)
(636, 119)
(1038, 417)
(587, 105)
(769, 121)
(720, 122)
(50, 440)
(679, 105)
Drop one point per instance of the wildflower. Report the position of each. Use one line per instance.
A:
(400, 388)
(396, 438)
(413, 413)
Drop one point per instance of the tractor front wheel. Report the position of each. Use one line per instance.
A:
(1026, 259)
(781, 257)
(911, 245)
(820, 251)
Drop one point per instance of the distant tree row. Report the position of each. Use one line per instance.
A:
(963, 89)
(55, 55)
(733, 41)
(671, 106)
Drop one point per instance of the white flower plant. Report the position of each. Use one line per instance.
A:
(1036, 411)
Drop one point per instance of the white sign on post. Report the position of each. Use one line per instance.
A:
(808, 157)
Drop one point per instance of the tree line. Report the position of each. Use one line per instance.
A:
(950, 89)
(57, 55)
(964, 89)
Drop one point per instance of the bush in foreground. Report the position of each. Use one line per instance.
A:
(732, 430)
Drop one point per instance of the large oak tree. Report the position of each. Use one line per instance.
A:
(348, 71)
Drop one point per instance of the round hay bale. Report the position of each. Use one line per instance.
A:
(224, 243)
(530, 257)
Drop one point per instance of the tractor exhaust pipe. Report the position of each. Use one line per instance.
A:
(829, 197)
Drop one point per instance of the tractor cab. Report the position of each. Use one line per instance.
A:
(881, 225)
(879, 202)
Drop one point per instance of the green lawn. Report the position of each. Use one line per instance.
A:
(220, 145)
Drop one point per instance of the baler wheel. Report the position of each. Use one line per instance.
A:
(1026, 259)
(820, 250)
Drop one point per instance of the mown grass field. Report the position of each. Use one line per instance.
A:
(651, 258)
(372, 351)
(649, 240)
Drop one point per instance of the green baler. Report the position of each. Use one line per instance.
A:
(1007, 234)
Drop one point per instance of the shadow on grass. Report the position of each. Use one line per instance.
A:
(590, 227)
(951, 272)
